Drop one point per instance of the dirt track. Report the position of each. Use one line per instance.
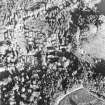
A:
(79, 96)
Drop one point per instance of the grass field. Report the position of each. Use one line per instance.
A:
(81, 97)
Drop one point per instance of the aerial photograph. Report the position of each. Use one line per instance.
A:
(52, 52)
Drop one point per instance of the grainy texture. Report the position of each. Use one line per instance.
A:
(47, 47)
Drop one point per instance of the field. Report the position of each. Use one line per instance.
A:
(81, 97)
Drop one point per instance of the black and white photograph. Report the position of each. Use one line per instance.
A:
(52, 52)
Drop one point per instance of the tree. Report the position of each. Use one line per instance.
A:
(64, 38)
